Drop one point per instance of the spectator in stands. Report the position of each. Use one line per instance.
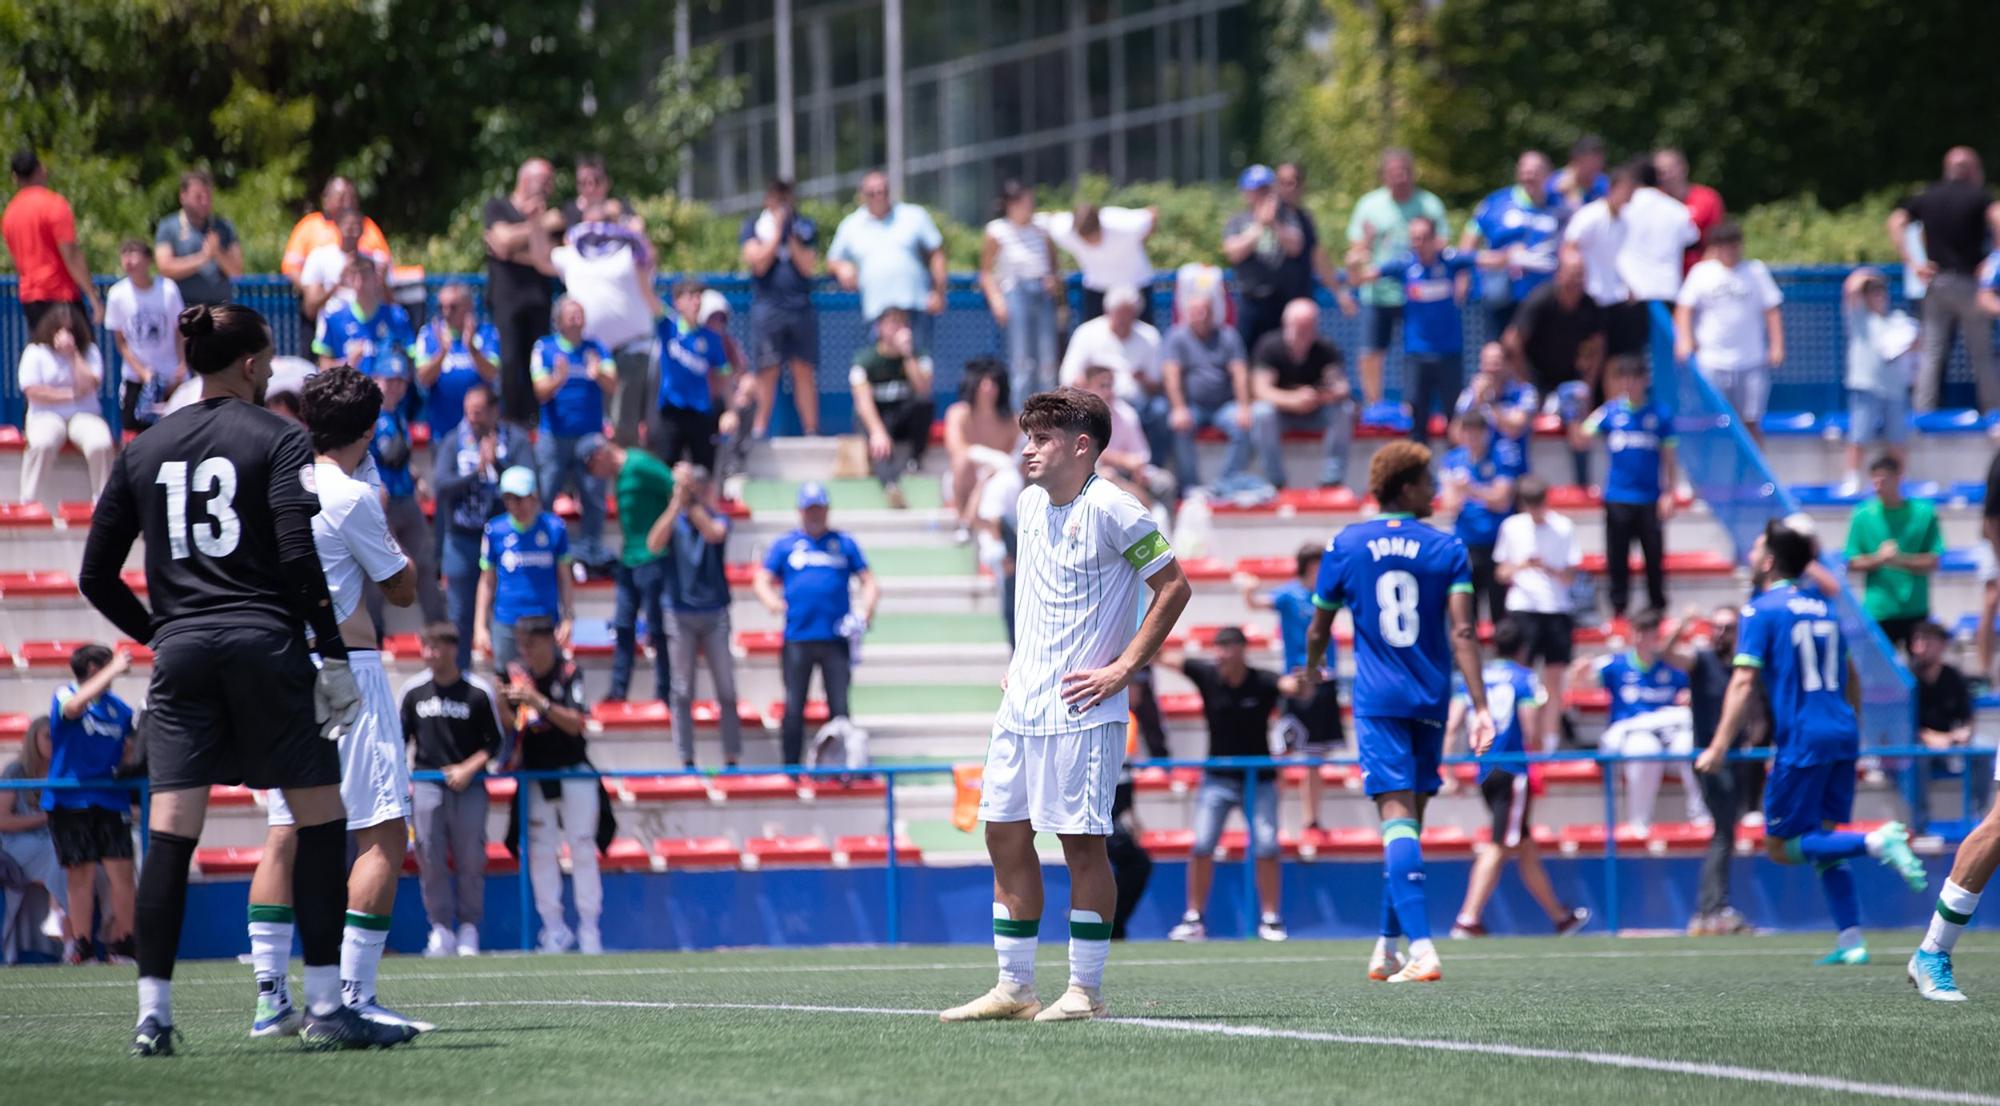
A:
(593, 188)
(1648, 686)
(891, 384)
(1236, 701)
(805, 580)
(1208, 384)
(60, 373)
(608, 268)
(467, 464)
(1639, 488)
(1381, 222)
(1521, 228)
(451, 718)
(391, 450)
(1728, 323)
(780, 247)
(643, 486)
(691, 538)
(322, 277)
(1722, 793)
(1017, 274)
(1314, 262)
(321, 228)
(1958, 213)
(1535, 557)
(1299, 381)
(1600, 234)
(694, 364)
(196, 248)
(1895, 543)
(455, 350)
(88, 728)
(1658, 233)
(1582, 179)
(1127, 460)
(1267, 244)
(980, 432)
(1121, 339)
(524, 572)
(1557, 337)
(893, 255)
(361, 330)
(1507, 403)
(25, 841)
(545, 692)
(734, 392)
(572, 375)
(1479, 495)
(1108, 245)
(517, 291)
(1433, 278)
(40, 232)
(1944, 719)
(142, 314)
(1311, 721)
(1704, 204)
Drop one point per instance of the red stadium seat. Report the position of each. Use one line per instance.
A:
(760, 643)
(36, 585)
(873, 849)
(1697, 563)
(804, 849)
(499, 861)
(627, 855)
(1165, 844)
(663, 789)
(222, 795)
(1342, 841)
(773, 785)
(1447, 841)
(25, 516)
(697, 852)
(13, 727)
(228, 861)
(501, 789)
(55, 654)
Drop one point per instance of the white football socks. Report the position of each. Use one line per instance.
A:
(1954, 909)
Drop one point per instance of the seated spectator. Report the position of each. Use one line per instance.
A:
(891, 382)
(1881, 358)
(691, 537)
(455, 350)
(1557, 339)
(1237, 701)
(1521, 228)
(1119, 338)
(1314, 716)
(1727, 794)
(451, 719)
(1894, 542)
(25, 841)
(523, 571)
(1479, 496)
(1727, 322)
(1649, 716)
(196, 248)
(1639, 490)
(390, 449)
(1299, 380)
(1108, 245)
(804, 580)
(1508, 405)
(88, 728)
(1017, 274)
(608, 268)
(1944, 721)
(465, 478)
(322, 227)
(572, 375)
(980, 432)
(780, 247)
(1433, 278)
(694, 371)
(1127, 460)
(321, 277)
(545, 692)
(142, 313)
(60, 373)
(1208, 384)
(1535, 557)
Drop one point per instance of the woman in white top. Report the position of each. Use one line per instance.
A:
(60, 372)
(1109, 245)
(1017, 271)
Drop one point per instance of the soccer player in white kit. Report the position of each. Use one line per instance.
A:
(339, 407)
(1059, 741)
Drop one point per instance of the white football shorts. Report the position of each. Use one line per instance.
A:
(1061, 783)
(374, 762)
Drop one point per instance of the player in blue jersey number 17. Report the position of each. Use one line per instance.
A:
(1408, 587)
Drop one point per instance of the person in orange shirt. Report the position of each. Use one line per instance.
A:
(322, 228)
(40, 231)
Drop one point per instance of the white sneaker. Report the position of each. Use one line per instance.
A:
(468, 940)
(1189, 929)
(1077, 1004)
(442, 943)
(588, 940)
(1383, 965)
(1005, 1002)
(1272, 929)
(382, 1015)
(556, 939)
(55, 924)
(1420, 969)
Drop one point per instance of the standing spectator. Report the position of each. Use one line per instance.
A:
(643, 487)
(1121, 339)
(804, 580)
(691, 537)
(60, 373)
(606, 267)
(1535, 557)
(1017, 274)
(545, 691)
(1299, 381)
(1557, 337)
(1315, 715)
(1582, 180)
(1433, 278)
(1381, 221)
(572, 375)
(1944, 720)
(390, 448)
(1300, 271)
(1894, 542)
(1639, 487)
(1658, 233)
(694, 370)
(1508, 405)
(1881, 354)
(1109, 247)
(893, 255)
(451, 717)
(1727, 322)
(593, 189)
(523, 571)
(455, 350)
(517, 292)
(1236, 702)
(1208, 384)
(979, 437)
(1479, 495)
(88, 728)
(322, 276)
(1267, 244)
(321, 228)
(780, 247)
(465, 478)
(1723, 793)
(1522, 225)
(196, 248)
(1597, 235)
(1957, 214)
(40, 231)
(143, 315)
(891, 382)
(1704, 204)
(360, 330)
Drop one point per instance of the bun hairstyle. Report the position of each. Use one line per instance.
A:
(219, 335)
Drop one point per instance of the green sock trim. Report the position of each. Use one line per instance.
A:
(1090, 931)
(1396, 829)
(1017, 927)
(263, 912)
(1795, 853)
(1950, 915)
(1826, 866)
(379, 922)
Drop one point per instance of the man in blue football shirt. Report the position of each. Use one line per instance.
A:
(1408, 588)
(1480, 495)
(1509, 404)
(804, 580)
(571, 375)
(694, 371)
(362, 329)
(1639, 488)
(1312, 718)
(523, 571)
(88, 727)
(454, 351)
(1646, 683)
(1790, 638)
(1521, 226)
(1433, 277)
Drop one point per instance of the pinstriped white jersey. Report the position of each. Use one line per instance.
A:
(1078, 575)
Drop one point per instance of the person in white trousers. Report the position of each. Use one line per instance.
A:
(544, 690)
(60, 372)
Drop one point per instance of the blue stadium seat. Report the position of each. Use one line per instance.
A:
(1791, 423)
(1954, 420)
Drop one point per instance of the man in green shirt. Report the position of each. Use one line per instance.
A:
(643, 485)
(1381, 223)
(1895, 542)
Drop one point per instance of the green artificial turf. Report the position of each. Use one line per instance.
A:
(922, 493)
